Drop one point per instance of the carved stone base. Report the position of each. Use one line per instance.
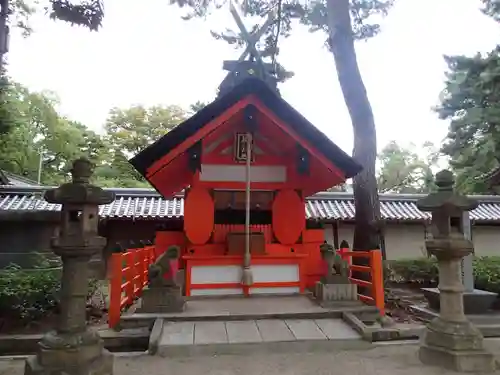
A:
(336, 292)
(164, 299)
(83, 360)
(456, 346)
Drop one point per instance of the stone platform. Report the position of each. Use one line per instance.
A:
(190, 338)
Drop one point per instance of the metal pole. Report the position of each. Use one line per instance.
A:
(247, 277)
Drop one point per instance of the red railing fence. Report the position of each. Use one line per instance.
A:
(128, 277)
(374, 269)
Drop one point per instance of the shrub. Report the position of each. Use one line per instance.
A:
(30, 294)
(487, 273)
(419, 271)
(424, 272)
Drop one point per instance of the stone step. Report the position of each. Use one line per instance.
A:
(190, 338)
(135, 319)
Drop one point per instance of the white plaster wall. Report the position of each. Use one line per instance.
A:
(346, 232)
(408, 240)
(404, 241)
(486, 240)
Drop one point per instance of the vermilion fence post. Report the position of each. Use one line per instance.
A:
(137, 272)
(129, 276)
(145, 264)
(377, 280)
(115, 293)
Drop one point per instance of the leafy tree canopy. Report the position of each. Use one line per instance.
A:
(40, 131)
(403, 170)
(470, 101)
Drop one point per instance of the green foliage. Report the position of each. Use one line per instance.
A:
(128, 131)
(35, 127)
(6, 118)
(312, 14)
(471, 102)
(20, 12)
(487, 273)
(196, 107)
(28, 295)
(31, 294)
(424, 272)
(402, 170)
(421, 271)
(86, 13)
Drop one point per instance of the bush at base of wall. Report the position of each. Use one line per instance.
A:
(423, 272)
(27, 295)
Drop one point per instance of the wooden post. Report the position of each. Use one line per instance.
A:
(377, 277)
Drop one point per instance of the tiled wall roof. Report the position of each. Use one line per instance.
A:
(146, 203)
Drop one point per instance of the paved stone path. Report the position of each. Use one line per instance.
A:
(381, 360)
(250, 331)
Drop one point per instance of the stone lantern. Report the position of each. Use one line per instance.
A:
(73, 348)
(451, 340)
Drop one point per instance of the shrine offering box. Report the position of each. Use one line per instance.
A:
(236, 243)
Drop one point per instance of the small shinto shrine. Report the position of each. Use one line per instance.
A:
(246, 162)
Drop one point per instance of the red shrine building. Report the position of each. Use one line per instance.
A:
(246, 162)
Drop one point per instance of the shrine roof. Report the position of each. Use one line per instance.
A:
(251, 86)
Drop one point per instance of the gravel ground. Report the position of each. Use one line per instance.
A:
(388, 359)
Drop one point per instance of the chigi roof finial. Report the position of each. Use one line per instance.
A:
(250, 63)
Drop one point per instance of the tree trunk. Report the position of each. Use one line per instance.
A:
(341, 41)
(4, 14)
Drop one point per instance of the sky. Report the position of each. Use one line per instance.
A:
(150, 56)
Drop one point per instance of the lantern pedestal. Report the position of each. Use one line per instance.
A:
(83, 355)
(455, 345)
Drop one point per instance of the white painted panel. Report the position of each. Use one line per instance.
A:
(236, 173)
(278, 290)
(217, 292)
(215, 274)
(275, 273)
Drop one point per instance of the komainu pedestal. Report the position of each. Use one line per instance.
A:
(163, 294)
(73, 348)
(451, 340)
(335, 286)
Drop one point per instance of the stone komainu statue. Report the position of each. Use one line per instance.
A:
(341, 267)
(162, 267)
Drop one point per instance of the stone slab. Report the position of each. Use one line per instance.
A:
(210, 333)
(475, 302)
(273, 330)
(304, 329)
(177, 333)
(336, 329)
(243, 331)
